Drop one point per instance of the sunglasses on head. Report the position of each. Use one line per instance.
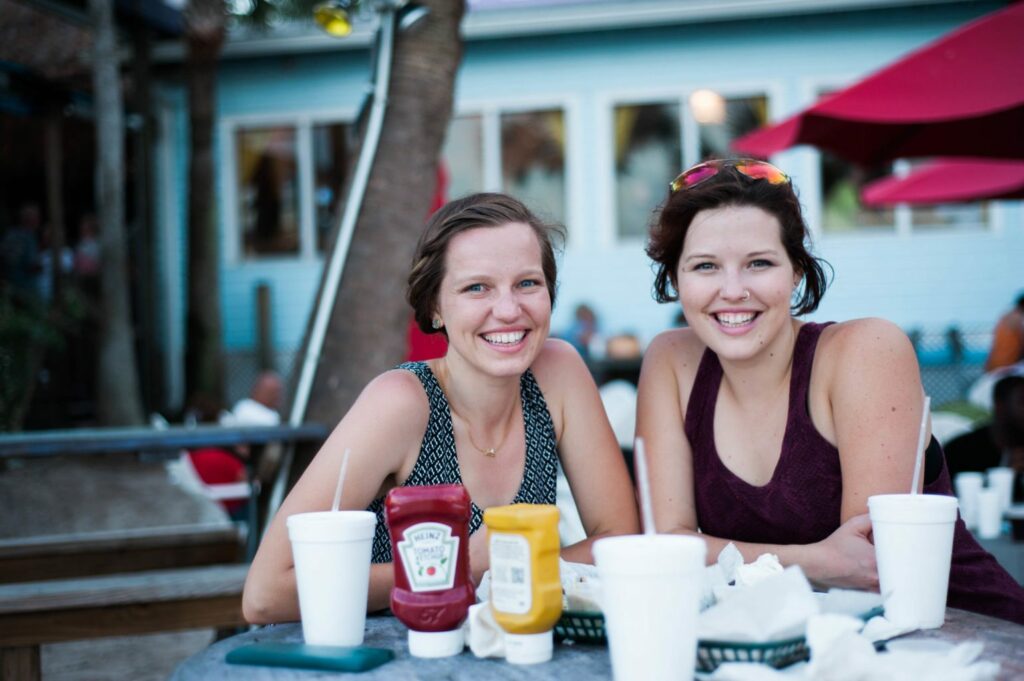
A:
(752, 168)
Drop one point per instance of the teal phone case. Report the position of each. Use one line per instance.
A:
(331, 658)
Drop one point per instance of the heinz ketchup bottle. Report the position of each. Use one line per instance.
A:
(429, 528)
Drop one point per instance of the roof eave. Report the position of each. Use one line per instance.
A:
(531, 21)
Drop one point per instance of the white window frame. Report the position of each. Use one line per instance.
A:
(303, 124)
(688, 130)
(490, 112)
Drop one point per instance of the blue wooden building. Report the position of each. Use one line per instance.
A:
(586, 109)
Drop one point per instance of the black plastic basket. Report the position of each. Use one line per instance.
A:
(580, 626)
(776, 654)
(588, 627)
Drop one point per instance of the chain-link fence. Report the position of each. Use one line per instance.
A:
(951, 360)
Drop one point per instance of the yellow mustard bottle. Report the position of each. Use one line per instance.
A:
(526, 590)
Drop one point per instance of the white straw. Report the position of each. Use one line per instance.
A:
(336, 506)
(920, 445)
(646, 509)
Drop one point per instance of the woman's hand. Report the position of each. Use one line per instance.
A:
(846, 558)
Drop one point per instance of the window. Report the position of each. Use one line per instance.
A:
(950, 215)
(720, 123)
(463, 154)
(286, 185)
(268, 191)
(648, 150)
(841, 206)
(654, 140)
(945, 215)
(519, 152)
(533, 160)
(332, 158)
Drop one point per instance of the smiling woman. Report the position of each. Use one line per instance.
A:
(770, 432)
(497, 413)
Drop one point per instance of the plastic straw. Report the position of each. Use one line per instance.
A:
(920, 445)
(646, 509)
(336, 506)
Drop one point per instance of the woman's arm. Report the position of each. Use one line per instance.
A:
(874, 413)
(589, 452)
(383, 430)
(670, 366)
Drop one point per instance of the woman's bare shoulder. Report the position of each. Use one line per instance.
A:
(679, 348)
(850, 352)
(395, 397)
(558, 363)
(865, 335)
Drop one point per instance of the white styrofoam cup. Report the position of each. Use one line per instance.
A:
(913, 535)
(650, 595)
(332, 571)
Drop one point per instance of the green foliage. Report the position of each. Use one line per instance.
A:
(963, 408)
(28, 330)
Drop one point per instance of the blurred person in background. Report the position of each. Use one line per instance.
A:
(263, 405)
(261, 408)
(215, 466)
(48, 260)
(19, 252)
(87, 255)
(583, 333)
(998, 443)
(1007, 338)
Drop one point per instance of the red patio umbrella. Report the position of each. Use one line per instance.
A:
(950, 180)
(962, 95)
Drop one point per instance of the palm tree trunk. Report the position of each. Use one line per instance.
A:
(367, 330)
(117, 398)
(205, 22)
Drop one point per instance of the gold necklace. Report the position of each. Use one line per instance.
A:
(489, 452)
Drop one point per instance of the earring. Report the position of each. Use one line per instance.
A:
(436, 323)
(746, 295)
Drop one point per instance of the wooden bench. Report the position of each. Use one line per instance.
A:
(122, 582)
(34, 613)
(59, 556)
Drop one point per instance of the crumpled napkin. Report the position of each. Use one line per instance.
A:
(775, 608)
(487, 639)
(484, 636)
(840, 651)
(730, 574)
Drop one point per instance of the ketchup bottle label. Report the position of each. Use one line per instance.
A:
(511, 590)
(429, 553)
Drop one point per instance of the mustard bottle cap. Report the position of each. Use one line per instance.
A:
(528, 648)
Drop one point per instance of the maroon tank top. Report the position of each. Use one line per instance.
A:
(801, 502)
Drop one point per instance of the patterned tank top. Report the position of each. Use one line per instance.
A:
(437, 463)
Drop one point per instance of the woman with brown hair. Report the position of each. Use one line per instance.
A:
(768, 431)
(496, 413)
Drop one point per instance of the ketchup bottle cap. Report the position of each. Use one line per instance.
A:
(436, 643)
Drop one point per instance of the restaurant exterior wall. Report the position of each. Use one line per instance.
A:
(917, 278)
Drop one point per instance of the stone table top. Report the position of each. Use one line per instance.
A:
(1003, 641)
